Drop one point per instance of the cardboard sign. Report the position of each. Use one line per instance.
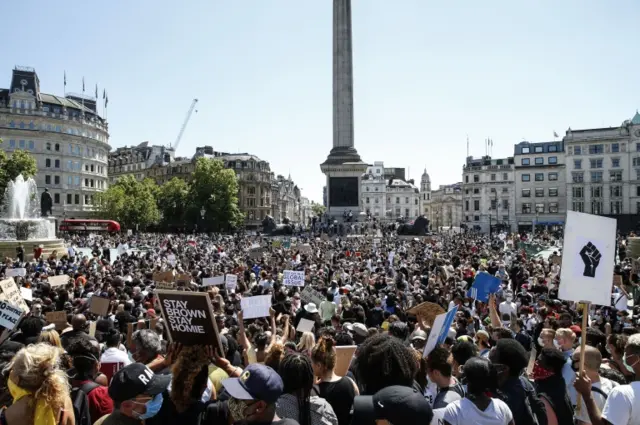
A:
(12, 294)
(231, 281)
(20, 272)
(344, 356)
(58, 280)
(293, 278)
(310, 295)
(257, 306)
(58, 318)
(27, 293)
(99, 305)
(189, 318)
(428, 310)
(215, 280)
(165, 285)
(9, 315)
(163, 276)
(256, 253)
(183, 278)
(588, 257)
(305, 325)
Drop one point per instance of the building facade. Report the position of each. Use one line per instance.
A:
(67, 137)
(488, 193)
(136, 160)
(287, 200)
(386, 196)
(445, 206)
(374, 191)
(540, 185)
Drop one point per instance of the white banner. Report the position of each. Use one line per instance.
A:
(293, 278)
(257, 306)
(215, 280)
(20, 272)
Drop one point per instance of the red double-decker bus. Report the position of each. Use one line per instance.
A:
(80, 225)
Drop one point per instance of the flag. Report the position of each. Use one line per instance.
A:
(82, 84)
(96, 91)
(448, 321)
(483, 285)
(65, 78)
(104, 94)
(555, 134)
(106, 101)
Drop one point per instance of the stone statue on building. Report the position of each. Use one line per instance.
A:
(270, 228)
(46, 204)
(419, 227)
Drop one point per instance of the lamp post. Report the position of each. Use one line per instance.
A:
(202, 213)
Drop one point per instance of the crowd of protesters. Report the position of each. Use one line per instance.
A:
(511, 360)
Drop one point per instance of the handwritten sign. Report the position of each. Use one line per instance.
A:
(305, 325)
(58, 280)
(19, 272)
(12, 294)
(59, 318)
(215, 280)
(257, 306)
(99, 305)
(293, 278)
(27, 293)
(9, 315)
(310, 295)
(232, 282)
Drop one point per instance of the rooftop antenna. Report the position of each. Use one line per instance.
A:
(467, 146)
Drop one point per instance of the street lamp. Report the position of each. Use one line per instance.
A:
(202, 212)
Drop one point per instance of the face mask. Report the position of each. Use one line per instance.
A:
(466, 304)
(436, 292)
(540, 372)
(153, 407)
(557, 344)
(509, 299)
(627, 365)
(237, 409)
(540, 342)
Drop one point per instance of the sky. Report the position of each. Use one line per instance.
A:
(427, 74)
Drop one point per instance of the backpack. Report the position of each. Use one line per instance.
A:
(536, 412)
(81, 402)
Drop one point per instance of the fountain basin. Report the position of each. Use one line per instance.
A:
(8, 248)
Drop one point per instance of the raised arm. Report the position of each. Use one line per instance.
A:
(242, 336)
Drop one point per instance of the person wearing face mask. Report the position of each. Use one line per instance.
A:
(563, 341)
(546, 339)
(137, 395)
(508, 307)
(623, 403)
(482, 342)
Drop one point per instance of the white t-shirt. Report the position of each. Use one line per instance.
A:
(507, 308)
(606, 386)
(623, 405)
(113, 355)
(464, 412)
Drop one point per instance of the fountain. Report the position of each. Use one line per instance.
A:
(21, 222)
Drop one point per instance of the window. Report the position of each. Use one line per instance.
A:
(56, 179)
(493, 177)
(505, 190)
(57, 163)
(596, 191)
(48, 146)
(22, 144)
(526, 177)
(494, 204)
(476, 218)
(553, 192)
(595, 163)
(406, 200)
(87, 200)
(466, 203)
(57, 147)
(577, 150)
(77, 180)
(578, 206)
(47, 179)
(615, 162)
(526, 208)
(476, 205)
(539, 161)
(615, 176)
(596, 149)
(476, 191)
(553, 177)
(525, 161)
(526, 150)
(577, 164)
(69, 197)
(596, 207)
(526, 193)
(539, 208)
(466, 179)
(538, 149)
(539, 192)
(577, 177)
(553, 207)
(47, 163)
(505, 176)
(553, 148)
(615, 147)
(505, 204)
(577, 192)
(637, 190)
(553, 160)
(77, 199)
(615, 191)
(56, 198)
(476, 178)
(31, 145)
(12, 144)
(397, 200)
(539, 177)
(86, 182)
(596, 176)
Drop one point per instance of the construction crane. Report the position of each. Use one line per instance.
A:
(184, 125)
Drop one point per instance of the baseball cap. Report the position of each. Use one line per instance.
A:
(134, 380)
(418, 334)
(396, 404)
(360, 329)
(257, 382)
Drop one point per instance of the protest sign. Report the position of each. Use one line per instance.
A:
(27, 293)
(310, 295)
(99, 305)
(189, 318)
(427, 310)
(293, 278)
(165, 285)
(256, 306)
(304, 248)
(163, 276)
(9, 315)
(588, 256)
(305, 325)
(483, 285)
(12, 294)
(256, 253)
(344, 356)
(231, 281)
(171, 259)
(19, 272)
(276, 243)
(58, 318)
(439, 330)
(215, 280)
(183, 278)
(60, 280)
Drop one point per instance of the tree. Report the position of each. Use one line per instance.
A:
(214, 188)
(130, 202)
(172, 199)
(19, 162)
(318, 209)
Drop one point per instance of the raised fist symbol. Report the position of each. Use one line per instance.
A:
(591, 258)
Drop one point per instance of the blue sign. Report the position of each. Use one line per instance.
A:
(446, 325)
(483, 285)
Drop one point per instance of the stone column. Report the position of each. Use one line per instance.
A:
(342, 75)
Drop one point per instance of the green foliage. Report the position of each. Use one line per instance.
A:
(19, 162)
(172, 199)
(130, 202)
(318, 209)
(215, 189)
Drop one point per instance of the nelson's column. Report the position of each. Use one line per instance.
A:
(343, 167)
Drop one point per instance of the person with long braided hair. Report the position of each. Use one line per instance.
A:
(297, 402)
